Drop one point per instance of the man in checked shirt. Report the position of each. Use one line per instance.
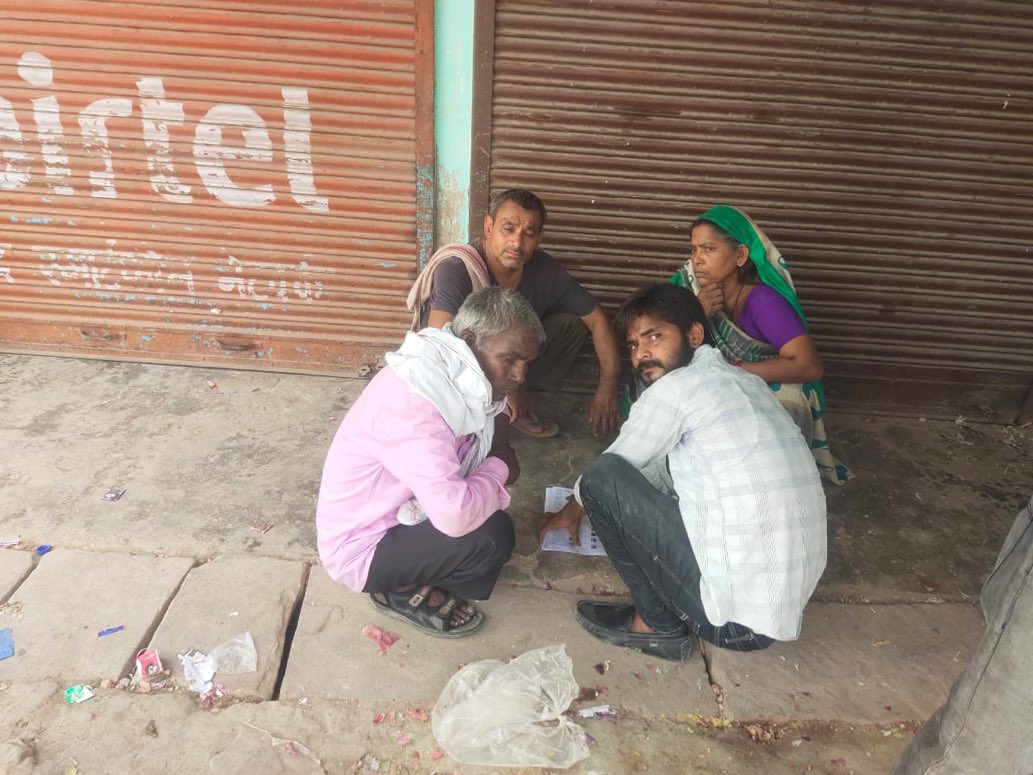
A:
(708, 503)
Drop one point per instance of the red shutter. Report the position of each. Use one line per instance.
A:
(231, 183)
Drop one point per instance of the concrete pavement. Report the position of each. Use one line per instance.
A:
(332, 671)
(205, 455)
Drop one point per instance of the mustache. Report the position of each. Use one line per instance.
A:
(509, 386)
(647, 365)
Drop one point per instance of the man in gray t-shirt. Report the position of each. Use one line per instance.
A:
(508, 255)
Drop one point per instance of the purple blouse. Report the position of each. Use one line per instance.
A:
(770, 318)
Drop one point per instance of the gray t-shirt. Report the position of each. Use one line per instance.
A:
(545, 284)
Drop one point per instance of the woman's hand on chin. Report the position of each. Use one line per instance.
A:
(712, 297)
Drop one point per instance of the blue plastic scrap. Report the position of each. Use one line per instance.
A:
(6, 643)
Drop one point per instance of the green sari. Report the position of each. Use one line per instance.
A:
(805, 402)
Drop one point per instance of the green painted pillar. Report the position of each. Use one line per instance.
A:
(453, 118)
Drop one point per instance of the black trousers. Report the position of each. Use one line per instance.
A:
(421, 554)
(566, 334)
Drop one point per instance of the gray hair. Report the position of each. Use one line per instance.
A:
(492, 311)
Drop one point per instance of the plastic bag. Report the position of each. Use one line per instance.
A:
(237, 655)
(510, 714)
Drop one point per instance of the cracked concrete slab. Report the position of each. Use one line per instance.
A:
(927, 512)
(856, 663)
(201, 451)
(73, 595)
(225, 598)
(589, 576)
(22, 707)
(204, 451)
(120, 732)
(14, 567)
(331, 658)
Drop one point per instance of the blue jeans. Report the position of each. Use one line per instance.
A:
(985, 724)
(643, 533)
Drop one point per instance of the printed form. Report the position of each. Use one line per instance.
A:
(559, 540)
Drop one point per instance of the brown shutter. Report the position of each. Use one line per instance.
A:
(885, 148)
(231, 183)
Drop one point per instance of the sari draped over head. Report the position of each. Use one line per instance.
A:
(804, 402)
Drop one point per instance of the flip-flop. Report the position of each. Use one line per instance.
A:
(413, 607)
(533, 426)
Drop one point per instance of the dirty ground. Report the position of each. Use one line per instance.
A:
(214, 536)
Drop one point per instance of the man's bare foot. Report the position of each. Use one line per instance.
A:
(531, 425)
(638, 624)
(460, 616)
(621, 625)
(430, 609)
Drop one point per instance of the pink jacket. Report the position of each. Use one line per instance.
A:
(394, 445)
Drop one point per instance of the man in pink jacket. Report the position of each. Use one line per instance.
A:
(412, 502)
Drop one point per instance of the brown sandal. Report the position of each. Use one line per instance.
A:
(531, 425)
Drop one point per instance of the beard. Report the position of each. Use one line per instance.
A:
(681, 358)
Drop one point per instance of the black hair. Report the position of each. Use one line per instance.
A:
(666, 302)
(522, 198)
(748, 271)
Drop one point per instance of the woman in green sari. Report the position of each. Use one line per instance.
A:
(756, 320)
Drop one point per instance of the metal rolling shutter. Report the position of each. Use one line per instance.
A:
(232, 183)
(885, 148)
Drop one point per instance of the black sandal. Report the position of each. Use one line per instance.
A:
(413, 607)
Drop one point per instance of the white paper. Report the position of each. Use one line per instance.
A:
(556, 498)
(559, 540)
(198, 670)
(411, 513)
